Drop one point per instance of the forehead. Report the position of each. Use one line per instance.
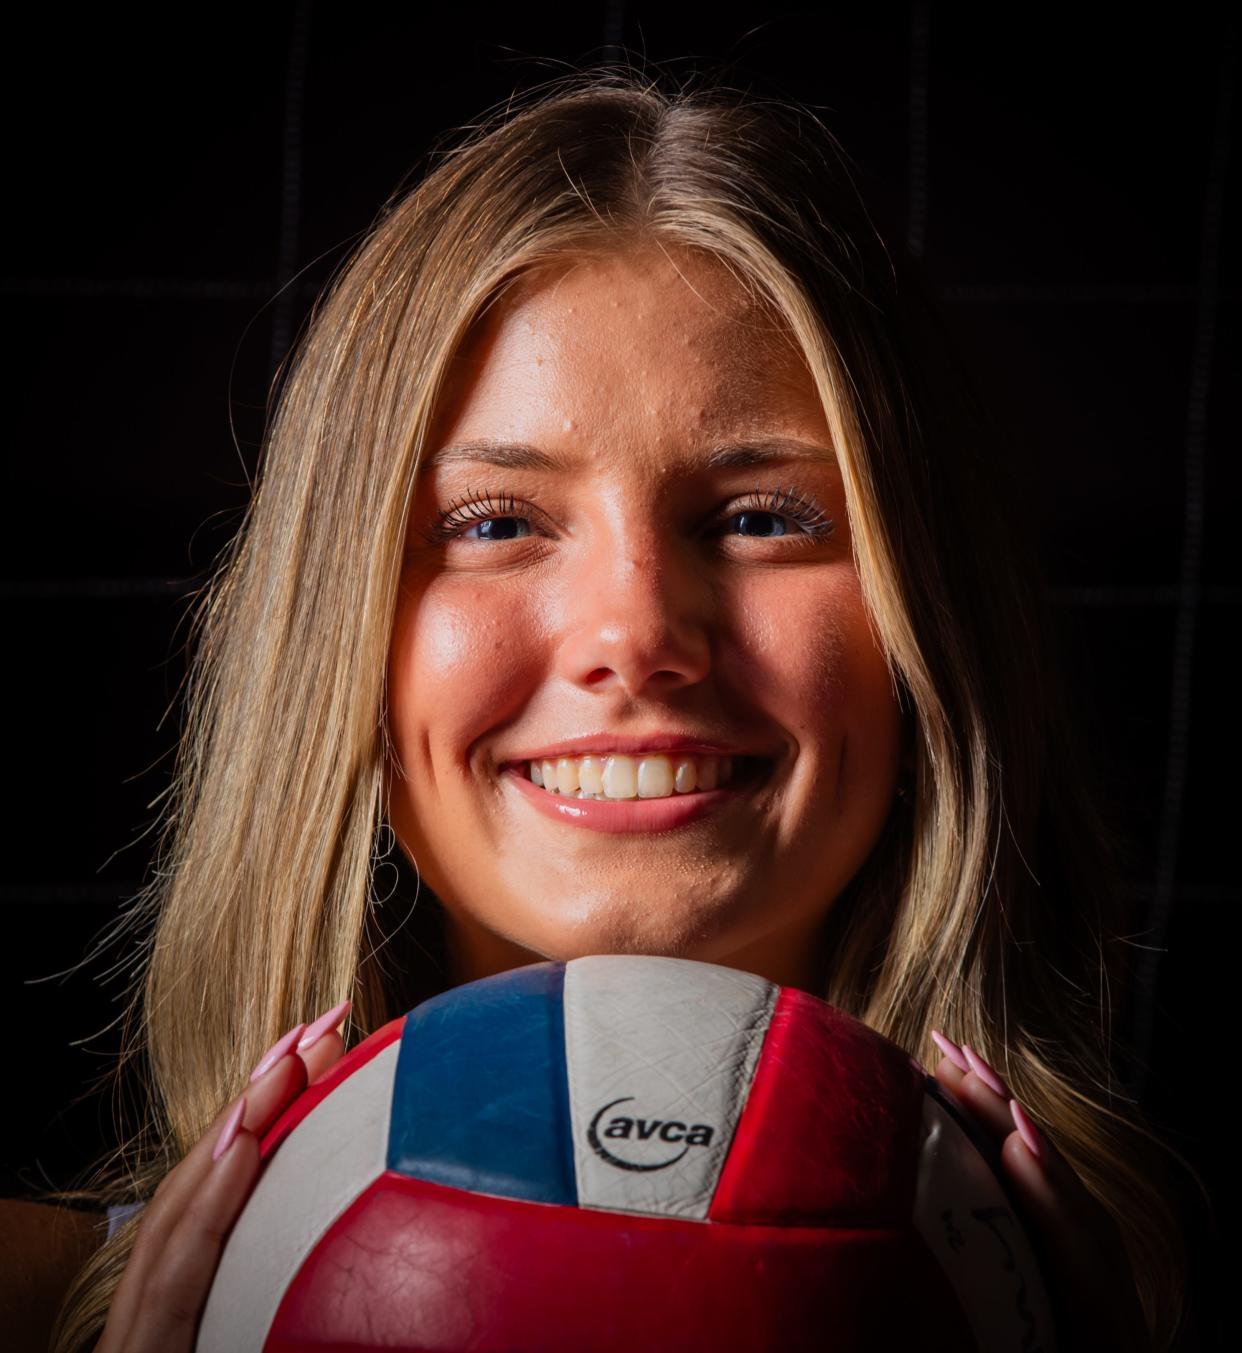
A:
(659, 339)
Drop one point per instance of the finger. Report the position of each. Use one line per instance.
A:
(322, 1055)
(1079, 1243)
(266, 1099)
(269, 1096)
(988, 1108)
(159, 1218)
(1080, 1248)
(167, 1316)
(321, 1045)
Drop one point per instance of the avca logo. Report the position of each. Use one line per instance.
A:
(619, 1129)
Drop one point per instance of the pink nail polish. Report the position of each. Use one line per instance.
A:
(950, 1050)
(329, 1020)
(231, 1125)
(985, 1072)
(1027, 1130)
(278, 1049)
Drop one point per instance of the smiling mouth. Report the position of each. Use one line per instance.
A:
(617, 777)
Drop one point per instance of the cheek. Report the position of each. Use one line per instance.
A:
(461, 657)
(804, 643)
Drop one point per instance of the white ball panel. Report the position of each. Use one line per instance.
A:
(669, 1055)
(966, 1221)
(337, 1150)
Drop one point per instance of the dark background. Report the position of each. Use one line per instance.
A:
(181, 183)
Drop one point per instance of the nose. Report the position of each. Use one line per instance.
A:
(636, 618)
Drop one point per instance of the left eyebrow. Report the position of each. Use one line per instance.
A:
(762, 450)
(725, 456)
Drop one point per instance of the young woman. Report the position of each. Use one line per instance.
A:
(620, 460)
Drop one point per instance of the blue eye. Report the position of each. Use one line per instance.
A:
(751, 516)
(763, 516)
(497, 528)
(766, 515)
(492, 518)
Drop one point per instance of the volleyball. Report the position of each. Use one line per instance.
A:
(627, 1152)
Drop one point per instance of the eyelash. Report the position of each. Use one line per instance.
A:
(462, 513)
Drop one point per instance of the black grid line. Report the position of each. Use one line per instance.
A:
(1161, 905)
(1070, 293)
(1206, 893)
(1139, 596)
(614, 30)
(290, 184)
(103, 589)
(1187, 595)
(916, 221)
(1127, 257)
(45, 894)
(140, 288)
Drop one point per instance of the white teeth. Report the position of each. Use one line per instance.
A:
(618, 776)
(591, 774)
(567, 775)
(655, 777)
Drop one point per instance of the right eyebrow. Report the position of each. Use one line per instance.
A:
(728, 455)
(488, 451)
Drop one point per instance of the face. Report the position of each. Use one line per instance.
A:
(659, 577)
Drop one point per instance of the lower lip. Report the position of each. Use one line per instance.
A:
(622, 815)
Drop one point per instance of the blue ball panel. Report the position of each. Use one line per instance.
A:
(481, 1097)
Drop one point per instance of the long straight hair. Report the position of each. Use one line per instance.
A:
(989, 907)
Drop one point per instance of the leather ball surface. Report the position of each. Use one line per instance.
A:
(621, 1152)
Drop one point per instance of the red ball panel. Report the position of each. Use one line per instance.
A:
(418, 1266)
(835, 1145)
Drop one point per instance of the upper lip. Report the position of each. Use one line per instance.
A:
(647, 742)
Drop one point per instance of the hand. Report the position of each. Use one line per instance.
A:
(1079, 1245)
(164, 1288)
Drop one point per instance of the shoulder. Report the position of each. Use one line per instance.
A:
(42, 1247)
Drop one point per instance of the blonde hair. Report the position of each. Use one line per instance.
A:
(988, 909)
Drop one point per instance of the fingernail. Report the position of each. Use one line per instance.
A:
(985, 1072)
(277, 1051)
(330, 1020)
(229, 1130)
(950, 1050)
(1026, 1130)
